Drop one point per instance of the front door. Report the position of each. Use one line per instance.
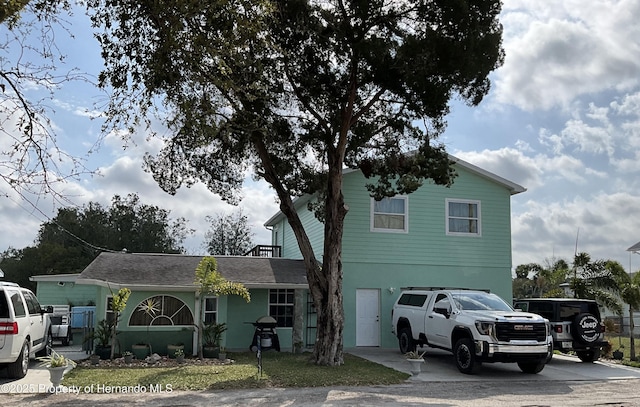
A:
(367, 317)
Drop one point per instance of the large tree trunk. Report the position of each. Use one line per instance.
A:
(329, 345)
(325, 283)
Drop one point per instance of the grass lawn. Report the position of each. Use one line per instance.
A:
(278, 370)
(624, 344)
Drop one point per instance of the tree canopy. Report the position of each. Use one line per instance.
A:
(228, 234)
(32, 70)
(297, 90)
(75, 236)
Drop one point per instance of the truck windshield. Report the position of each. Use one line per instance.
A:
(480, 302)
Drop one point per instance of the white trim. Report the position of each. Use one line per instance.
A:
(466, 201)
(405, 198)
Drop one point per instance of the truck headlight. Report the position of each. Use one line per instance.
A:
(485, 328)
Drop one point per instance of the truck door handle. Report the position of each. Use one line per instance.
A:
(431, 316)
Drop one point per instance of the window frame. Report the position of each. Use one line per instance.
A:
(205, 312)
(287, 291)
(478, 217)
(372, 215)
(162, 313)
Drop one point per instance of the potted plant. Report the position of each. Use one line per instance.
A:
(101, 336)
(173, 348)
(618, 354)
(140, 350)
(128, 356)
(211, 338)
(56, 364)
(415, 360)
(223, 353)
(179, 355)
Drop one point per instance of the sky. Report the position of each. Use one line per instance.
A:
(562, 119)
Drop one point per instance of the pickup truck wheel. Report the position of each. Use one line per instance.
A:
(19, 368)
(465, 356)
(405, 341)
(66, 339)
(588, 356)
(532, 367)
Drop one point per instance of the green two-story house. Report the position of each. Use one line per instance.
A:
(435, 237)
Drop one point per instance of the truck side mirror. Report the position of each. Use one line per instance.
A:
(48, 309)
(443, 311)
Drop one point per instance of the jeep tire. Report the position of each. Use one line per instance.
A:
(588, 356)
(405, 340)
(465, 356)
(587, 328)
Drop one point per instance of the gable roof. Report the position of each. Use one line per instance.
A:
(512, 187)
(635, 248)
(146, 271)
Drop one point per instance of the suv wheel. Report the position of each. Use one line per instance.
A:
(19, 368)
(587, 328)
(465, 357)
(48, 345)
(405, 341)
(588, 356)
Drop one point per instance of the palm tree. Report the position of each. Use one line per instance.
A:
(594, 280)
(629, 292)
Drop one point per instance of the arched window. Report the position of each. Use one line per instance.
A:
(161, 310)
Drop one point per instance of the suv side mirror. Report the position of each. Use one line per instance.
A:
(48, 309)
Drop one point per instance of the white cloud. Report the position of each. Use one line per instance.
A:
(603, 225)
(556, 52)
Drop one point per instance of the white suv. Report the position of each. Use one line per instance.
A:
(25, 329)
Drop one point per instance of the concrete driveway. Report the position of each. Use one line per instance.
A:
(439, 366)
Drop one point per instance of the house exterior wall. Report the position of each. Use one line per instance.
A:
(231, 309)
(424, 255)
(51, 293)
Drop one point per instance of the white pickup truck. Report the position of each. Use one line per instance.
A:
(475, 325)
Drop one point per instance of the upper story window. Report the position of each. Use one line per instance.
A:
(390, 214)
(463, 217)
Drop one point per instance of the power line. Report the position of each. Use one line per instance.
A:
(49, 219)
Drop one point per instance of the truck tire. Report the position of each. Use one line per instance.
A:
(405, 341)
(465, 357)
(19, 368)
(588, 356)
(532, 367)
(67, 339)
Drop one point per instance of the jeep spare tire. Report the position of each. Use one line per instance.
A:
(586, 328)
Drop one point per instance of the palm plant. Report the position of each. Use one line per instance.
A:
(596, 281)
(629, 292)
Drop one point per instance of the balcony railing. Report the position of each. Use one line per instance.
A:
(265, 251)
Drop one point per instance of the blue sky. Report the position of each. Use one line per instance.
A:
(562, 119)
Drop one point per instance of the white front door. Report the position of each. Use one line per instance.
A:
(367, 317)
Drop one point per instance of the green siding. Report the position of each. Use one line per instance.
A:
(423, 256)
(233, 310)
(314, 229)
(50, 293)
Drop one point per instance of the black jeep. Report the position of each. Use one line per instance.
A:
(575, 324)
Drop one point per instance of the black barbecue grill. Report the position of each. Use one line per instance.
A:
(265, 336)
